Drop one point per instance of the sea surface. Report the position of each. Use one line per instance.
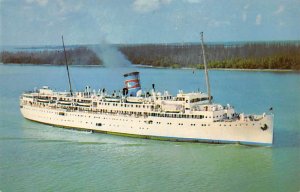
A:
(37, 157)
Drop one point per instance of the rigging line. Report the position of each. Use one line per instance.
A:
(205, 69)
(70, 85)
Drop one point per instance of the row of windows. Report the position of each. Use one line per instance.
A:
(224, 125)
(70, 114)
(150, 122)
(126, 105)
(172, 115)
(157, 114)
(113, 104)
(153, 114)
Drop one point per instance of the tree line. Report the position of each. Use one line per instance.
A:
(75, 56)
(268, 55)
(257, 55)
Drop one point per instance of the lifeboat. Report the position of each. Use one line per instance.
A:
(135, 99)
(84, 104)
(43, 100)
(62, 102)
(112, 99)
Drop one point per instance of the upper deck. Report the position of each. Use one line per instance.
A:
(183, 105)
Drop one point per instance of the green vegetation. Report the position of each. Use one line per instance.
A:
(272, 55)
(76, 56)
(271, 62)
(265, 55)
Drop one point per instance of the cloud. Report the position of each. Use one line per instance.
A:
(279, 10)
(144, 6)
(39, 2)
(69, 6)
(281, 23)
(216, 23)
(192, 1)
(258, 19)
(244, 16)
(50, 24)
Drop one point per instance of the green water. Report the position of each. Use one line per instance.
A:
(36, 157)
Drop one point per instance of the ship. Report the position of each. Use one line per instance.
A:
(189, 117)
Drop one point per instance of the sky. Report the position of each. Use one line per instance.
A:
(42, 22)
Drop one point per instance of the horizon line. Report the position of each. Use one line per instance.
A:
(133, 44)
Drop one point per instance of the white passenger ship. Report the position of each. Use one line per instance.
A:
(154, 115)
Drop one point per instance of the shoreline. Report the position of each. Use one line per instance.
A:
(150, 66)
(253, 70)
(219, 69)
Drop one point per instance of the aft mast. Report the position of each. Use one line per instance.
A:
(205, 69)
(70, 85)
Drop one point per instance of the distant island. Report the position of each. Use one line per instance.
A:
(76, 56)
(248, 55)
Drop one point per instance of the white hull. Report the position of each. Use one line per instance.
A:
(179, 129)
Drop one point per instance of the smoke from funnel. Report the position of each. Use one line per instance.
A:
(111, 56)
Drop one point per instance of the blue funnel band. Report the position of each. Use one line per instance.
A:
(132, 83)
